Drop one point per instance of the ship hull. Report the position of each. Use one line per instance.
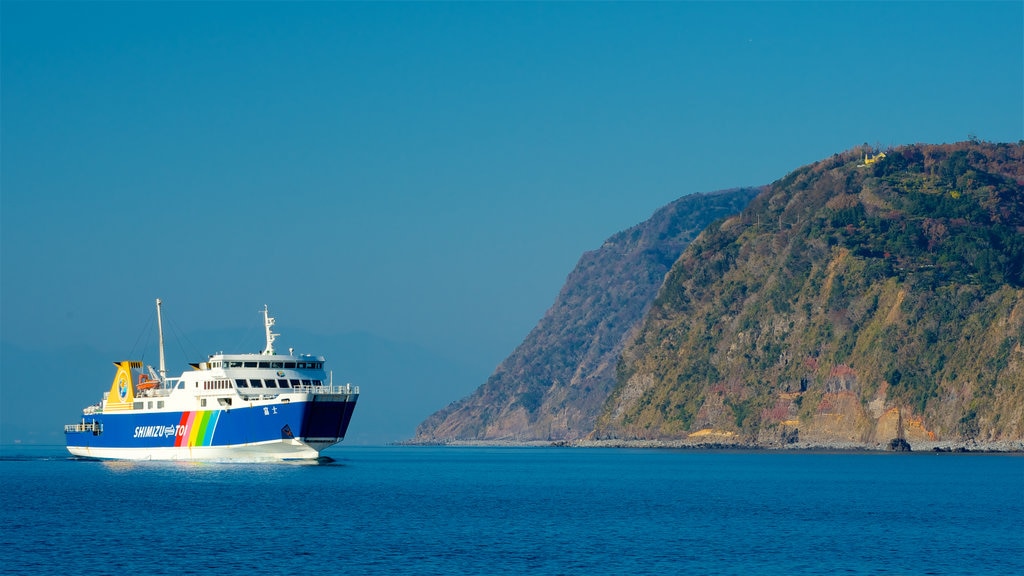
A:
(296, 430)
(255, 452)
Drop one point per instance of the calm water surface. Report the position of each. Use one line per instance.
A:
(407, 510)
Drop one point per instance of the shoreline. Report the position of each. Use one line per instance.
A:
(938, 447)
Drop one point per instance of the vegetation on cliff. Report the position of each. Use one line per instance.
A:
(553, 386)
(852, 296)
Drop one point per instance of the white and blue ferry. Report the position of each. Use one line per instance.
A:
(249, 407)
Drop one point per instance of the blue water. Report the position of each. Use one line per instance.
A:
(405, 510)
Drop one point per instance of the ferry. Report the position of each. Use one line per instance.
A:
(253, 407)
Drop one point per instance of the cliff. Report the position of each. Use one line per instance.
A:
(858, 299)
(554, 385)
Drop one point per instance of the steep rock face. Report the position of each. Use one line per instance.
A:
(852, 301)
(553, 385)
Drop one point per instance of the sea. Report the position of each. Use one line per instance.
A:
(537, 510)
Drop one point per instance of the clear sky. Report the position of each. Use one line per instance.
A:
(425, 173)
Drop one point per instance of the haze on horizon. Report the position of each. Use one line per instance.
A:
(417, 176)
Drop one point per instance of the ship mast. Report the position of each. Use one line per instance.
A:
(160, 329)
(268, 323)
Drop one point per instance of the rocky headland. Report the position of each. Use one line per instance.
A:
(868, 301)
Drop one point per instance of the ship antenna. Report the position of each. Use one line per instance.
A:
(160, 329)
(268, 323)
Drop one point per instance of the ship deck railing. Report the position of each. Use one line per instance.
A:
(323, 390)
(93, 427)
(327, 389)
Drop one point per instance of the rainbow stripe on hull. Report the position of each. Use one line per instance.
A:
(197, 428)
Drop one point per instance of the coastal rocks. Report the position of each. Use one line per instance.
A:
(899, 445)
(790, 436)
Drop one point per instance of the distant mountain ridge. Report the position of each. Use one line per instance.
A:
(553, 386)
(857, 300)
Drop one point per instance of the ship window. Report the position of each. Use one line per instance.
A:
(306, 383)
(264, 364)
(301, 365)
(277, 364)
(289, 364)
(318, 383)
(295, 383)
(137, 405)
(255, 383)
(159, 403)
(270, 383)
(181, 385)
(282, 383)
(241, 383)
(236, 364)
(250, 364)
(149, 404)
(202, 401)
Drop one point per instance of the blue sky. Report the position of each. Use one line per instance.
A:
(424, 173)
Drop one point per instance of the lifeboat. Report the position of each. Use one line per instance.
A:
(146, 384)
